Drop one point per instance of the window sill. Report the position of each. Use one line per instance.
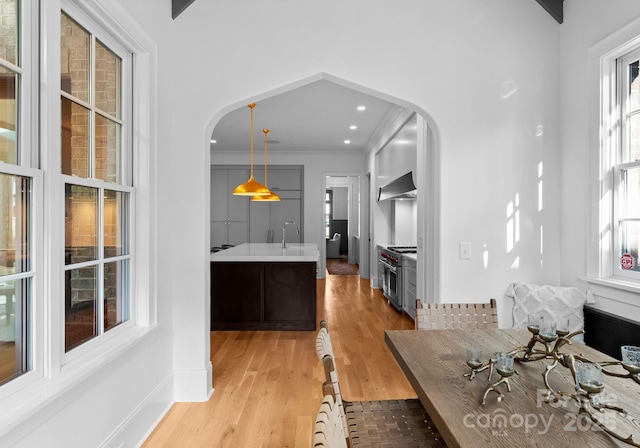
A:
(29, 400)
(620, 290)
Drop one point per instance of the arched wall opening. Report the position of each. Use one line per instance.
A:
(427, 181)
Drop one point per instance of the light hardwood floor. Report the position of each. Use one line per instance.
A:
(268, 384)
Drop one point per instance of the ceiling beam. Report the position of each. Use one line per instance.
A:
(553, 7)
(177, 6)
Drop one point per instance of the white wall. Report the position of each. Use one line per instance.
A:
(398, 155)
(591, 29)
(405, 222)
(491, 154)
(340, 202)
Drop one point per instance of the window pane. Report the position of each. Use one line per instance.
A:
(631, 193)
(75, 139)
(116, 297)
(80, 306)
(14, 344)
(634, 138)
(8, 116)
(107, 149)
(630, 236)
(81, 224)
(15, 197)
(116, 205)
(634, 86)
(9, 34)
(14, 258)
(107, 80)
(74, 59)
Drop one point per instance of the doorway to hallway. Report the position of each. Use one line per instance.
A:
(341, 266)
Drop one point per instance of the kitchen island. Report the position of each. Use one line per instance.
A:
(262, 286)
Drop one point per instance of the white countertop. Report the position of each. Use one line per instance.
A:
(269, 252)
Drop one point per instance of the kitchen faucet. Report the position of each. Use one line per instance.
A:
(284, 227)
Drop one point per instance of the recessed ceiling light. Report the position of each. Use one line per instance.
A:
(346, 142)
(353, 127)
(361, 108)
(213, 141)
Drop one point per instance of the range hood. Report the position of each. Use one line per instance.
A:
(400, 188)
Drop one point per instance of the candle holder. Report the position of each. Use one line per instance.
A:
(504, 366)
(548, 330)
(563, 326)
(474, 361)
(534, 323)
(630, 362)
(631, 358)
(589, 377)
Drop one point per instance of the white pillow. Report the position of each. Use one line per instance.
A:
(550, 301)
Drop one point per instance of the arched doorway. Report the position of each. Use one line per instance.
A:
(321, 157)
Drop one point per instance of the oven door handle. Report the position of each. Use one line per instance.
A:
(387, 264)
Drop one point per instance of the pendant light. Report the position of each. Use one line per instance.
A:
(272, 196)
(251, 187)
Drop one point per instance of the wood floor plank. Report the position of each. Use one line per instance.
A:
(268, 383)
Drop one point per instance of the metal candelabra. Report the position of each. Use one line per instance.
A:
(545, 344)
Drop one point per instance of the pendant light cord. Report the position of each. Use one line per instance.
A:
(251, 106)
(266, 131)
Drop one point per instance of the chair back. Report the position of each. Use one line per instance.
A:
(323, 342)
(329, 431)
(324, 350)
(456, 316)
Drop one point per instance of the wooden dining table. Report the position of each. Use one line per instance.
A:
(434, 363)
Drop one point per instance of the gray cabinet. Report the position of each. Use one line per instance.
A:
(229, 214)
(237, 219)
(380, 267)
(409, 274)
(281, 177)
(266, 219)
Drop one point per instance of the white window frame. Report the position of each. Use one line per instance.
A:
(603, 253)
(622, 80)
(28, 137)
(54, 372)
(96, 33)
(114, 34)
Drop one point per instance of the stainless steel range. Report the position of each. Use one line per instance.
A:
(390, 264)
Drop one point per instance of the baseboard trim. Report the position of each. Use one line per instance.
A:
(138, 425)
(193, 385)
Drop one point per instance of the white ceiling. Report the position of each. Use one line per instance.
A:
(314, 117)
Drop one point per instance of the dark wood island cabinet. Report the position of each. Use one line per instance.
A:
(266, 294)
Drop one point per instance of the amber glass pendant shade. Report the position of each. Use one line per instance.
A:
(251, 187)
(271, 196)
